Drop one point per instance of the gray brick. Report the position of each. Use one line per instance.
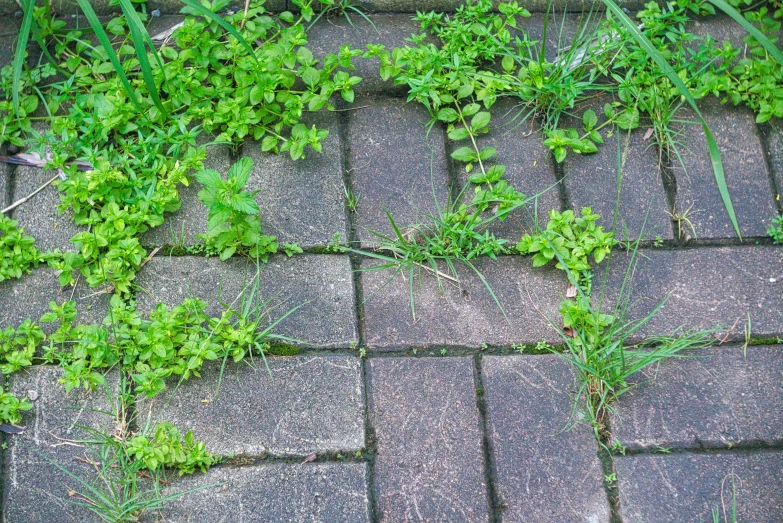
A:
(301, 201)
(182, 227)
(746, 174)
(706, 288)
(29, 297)
(315, 492)
(33, 488)
(395, 166)
(591, 181)
(722, 396)
(468, 316)
(409, 6)
(321, 284)
(544, 472)
(688, 487)
(309, 404)
(529, 169)
(429, 464)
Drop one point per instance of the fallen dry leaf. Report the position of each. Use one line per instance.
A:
(309, 459)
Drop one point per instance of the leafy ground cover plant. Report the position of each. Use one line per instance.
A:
(775, 230)
(18, 253)
(234, 222)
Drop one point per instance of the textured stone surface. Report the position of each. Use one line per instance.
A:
(706, 288)
(544, 471)
(746, 173)
(687, 487)
(722, 396)
(591, 181)
(321, 285)
(33, 488)
(466, 317)
(529, 169)
(5, 184)
(310, 404)
(315, 492)
(182, 227)
(395, 166)
(29, 297)
(772, 133)
(301, 201)
(409, 6)
(429, 464)
(39, 215)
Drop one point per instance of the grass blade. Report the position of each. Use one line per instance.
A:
(21, 47)
(222, 23)
(140, 37)
(750, 28)
(671, 74)
(92, 18)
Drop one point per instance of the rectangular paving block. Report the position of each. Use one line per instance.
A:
(320, 285)
(720, 396)
(544, 471)
(34, 489)
(689, 487)
(410, 6)
(466, 316)
(705, 288)
(318, 492)
(429, 464)
(299, 405)
(301, 201)
(29, 297)
(395, 165)
(747, 177)
(182, 226)
(591, 181)
(529, 169)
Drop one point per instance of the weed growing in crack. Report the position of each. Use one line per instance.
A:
(775, 230)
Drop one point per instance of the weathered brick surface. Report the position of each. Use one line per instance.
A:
(746, 174)
(688, 487)
(468, 316)
(429, 464)
(544, 472)
(320, 492)
(395, 166)
(320, 285)
(409, 6)
(301, 201)
(706, 288)
(308, 404)
(29, 297)
(34, 489)
(718, 397)
(591, 181)
(529, 169)
(182, 227)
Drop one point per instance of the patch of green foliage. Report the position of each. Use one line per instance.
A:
(168, 449)
(775, 230)
(17, 250)
(234, 223)
(11, 408)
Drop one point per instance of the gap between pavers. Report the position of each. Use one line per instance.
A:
(467, 316)
(301, 404)
(713, 287)
(429, 464)
(716, 397)
(274, 492)
(320, 285)
(545, 470)
(34, 489)
(686, 486)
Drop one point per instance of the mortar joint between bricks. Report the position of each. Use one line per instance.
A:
(370, 445)
(764, 132)
(608, 469)
(669, 180)
(493, 499)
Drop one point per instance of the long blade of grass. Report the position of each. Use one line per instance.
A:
(92, 18)
(750, 28)
(141, 39)
(21, 47)
(222, 23)
(671, 74)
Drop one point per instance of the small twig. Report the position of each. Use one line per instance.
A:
(148, 258)
(20, 202)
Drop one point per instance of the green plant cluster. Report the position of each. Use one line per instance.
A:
(168, 449)
(142, 142)
(775, 230)
(234, 223)
(18, 253)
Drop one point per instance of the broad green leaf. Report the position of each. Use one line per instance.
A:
(464, 154)
(239, 173)
(21, 48)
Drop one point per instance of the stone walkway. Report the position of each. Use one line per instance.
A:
(443, 420)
